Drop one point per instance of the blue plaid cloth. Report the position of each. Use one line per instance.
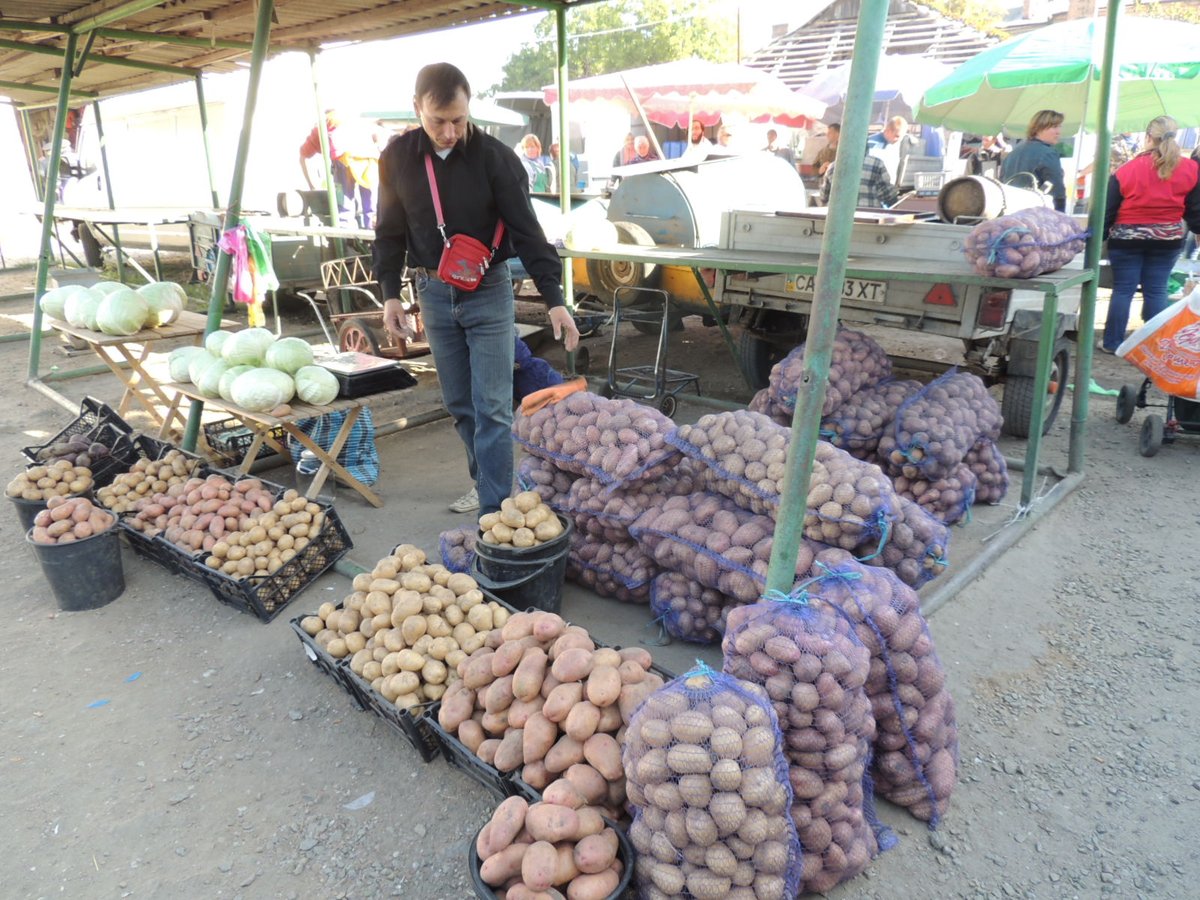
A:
(358, 454)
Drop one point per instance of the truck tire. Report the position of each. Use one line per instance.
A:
(1018, 400)
(605, 276)
(757, 355)
(674, 325)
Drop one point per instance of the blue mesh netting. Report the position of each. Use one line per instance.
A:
(947, 499)
(687, 610)
(457, 548)
(856, 362)
(850, 502)
(857, 425)
(620, 570)
(607, 513)
(708, 783)
(1024, 244)
(918, 548)
(814, 668)
(614, 441)
(991, 472)
(545, 479)
(915, 752)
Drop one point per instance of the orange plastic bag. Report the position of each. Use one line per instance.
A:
(1167, 348)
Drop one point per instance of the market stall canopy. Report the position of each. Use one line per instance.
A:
(899, 83)
(670, 91)
(139, 44)
(1156, 68)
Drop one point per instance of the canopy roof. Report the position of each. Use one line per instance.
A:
(137, 44)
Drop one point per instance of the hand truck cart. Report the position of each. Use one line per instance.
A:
(655, 384)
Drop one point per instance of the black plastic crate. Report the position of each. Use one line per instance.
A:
(97, 423)
(158, 550)
(413, 726)
(230, 440)
(456, 753)
(326, 663)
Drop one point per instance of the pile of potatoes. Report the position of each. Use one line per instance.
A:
(1024, 244)
(987, 464)
(196, 514)
(946, 499)
(267, 540)
(58, 479)
(523, 521)
(68, 519)
(857, 362)
(620, 570)
(857, 425)
(559, 847)
(608, 512)
(145, 478)
(711, 540)
(688, 611)
(546, 479)
(814, 670)
(707, 778)
(917, 548)
(916, 742)
(761, 403)
(544, 701)
(849, 501)
(78, 451)
(611, 440)
(407, 626)
(457, 548)
(934, 430)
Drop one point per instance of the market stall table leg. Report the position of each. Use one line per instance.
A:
(328, 458)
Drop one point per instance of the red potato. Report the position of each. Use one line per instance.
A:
(604, 755)
(563, 793)
(505, 824)
(593, 887)
(590, 784)
(510, 753)
(547, 626)
(597, 852)
(527, 680)
(565, 753)
(574, 664)
(566, 870)
(539, 736)
(539, 865)
(603, 685)
(548, 822)
(590, 822)
(582, 721)
(503, 865)
(562, 700)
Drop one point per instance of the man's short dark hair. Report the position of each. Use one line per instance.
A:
(441, 82)
(836, 126)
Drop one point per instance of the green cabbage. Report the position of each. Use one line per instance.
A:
(122, 312)
(178, 361)
(225, 387)
(104, 288)
(53, 302)
(289, 355)
(262, 389)
(166, 300)
(80, 309)
(210, 378)
(316, 385)
(215, 342)
(198, 363)
(247, 347)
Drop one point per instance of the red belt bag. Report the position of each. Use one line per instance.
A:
(465, 260)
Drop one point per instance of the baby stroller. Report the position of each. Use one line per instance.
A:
(1182, 416)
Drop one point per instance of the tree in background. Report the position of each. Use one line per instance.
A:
(623, 34)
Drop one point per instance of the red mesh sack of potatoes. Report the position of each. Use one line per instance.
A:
(935, 428)
(708, 783)
(915, 757)
(857, 425)
(856, 362)
(617, 569)
(714, 542)
(814, 668)
(850, 502)
(1024, 244)
(545, 479)
(947, 499)
(917, 548)
(687, 610)
(457, 547)
(990, 470)
(613, 441)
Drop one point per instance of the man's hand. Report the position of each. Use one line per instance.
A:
(563, 324)
(395, 321)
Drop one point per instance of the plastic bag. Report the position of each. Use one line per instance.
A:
(1024, 244)
(813, 667)
(1167, 348)
(708, 783)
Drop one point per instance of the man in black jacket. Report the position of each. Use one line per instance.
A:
(470, 333)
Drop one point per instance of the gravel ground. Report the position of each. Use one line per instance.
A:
(222, 764)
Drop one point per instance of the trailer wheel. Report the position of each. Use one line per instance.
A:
(1018, 400)
(356, 335)
(757, 356)
(605, 276)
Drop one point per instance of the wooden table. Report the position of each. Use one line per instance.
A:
(262, 424)
(133, 350)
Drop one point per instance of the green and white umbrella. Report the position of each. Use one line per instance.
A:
(1156, 68)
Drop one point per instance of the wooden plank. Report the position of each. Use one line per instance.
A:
(189, 324)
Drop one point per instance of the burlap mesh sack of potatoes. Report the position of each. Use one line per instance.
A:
(708, 783)
(935, 428)
(915, 758)
(613, 441)
(688, 611)
(546, 479)
(857, 425)
(1024, 244)
(617, 569)
(947, 499)
(850, 502)
(917, 548)
(457, 548)
(856, 362)
(987, 464)
(814, 669)
(714, 542)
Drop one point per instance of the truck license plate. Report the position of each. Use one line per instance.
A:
(853, 289)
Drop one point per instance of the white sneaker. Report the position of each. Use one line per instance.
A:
(468, 502)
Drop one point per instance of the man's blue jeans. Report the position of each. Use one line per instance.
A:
(471, 336)
(1148, 266)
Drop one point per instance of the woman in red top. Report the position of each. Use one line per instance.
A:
(1148, 199)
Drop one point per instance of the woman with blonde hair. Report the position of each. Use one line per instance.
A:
(1037, 156)
(1148, 199)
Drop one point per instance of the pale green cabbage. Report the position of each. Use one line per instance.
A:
(80, 309)
(210, 378)
(54, 301)
(215, 342)
(247, 347)
(122, 312)
(166, 300)
(225, 388)
(289, 355)
(178, 361)
(262, 389)
(198, 364)
(316, 385)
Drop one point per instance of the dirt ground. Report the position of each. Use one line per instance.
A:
(169, 746)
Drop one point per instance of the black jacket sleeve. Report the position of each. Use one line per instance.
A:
(510, 187)
(1113, 204)
(1191, 209)
(391, 232)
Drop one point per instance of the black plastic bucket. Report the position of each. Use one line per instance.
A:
(84, 574)
(525, 576)
(27, 510)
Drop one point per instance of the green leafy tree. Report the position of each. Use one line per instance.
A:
(985, 16)
(623, 34)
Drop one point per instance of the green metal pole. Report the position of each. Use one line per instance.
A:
(565, 182)
(212, 179)
(108, 189)
(827, 293)
(1105, 117)
(1041, 381)
(153, 37)
(220, 280)
(44, 258)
